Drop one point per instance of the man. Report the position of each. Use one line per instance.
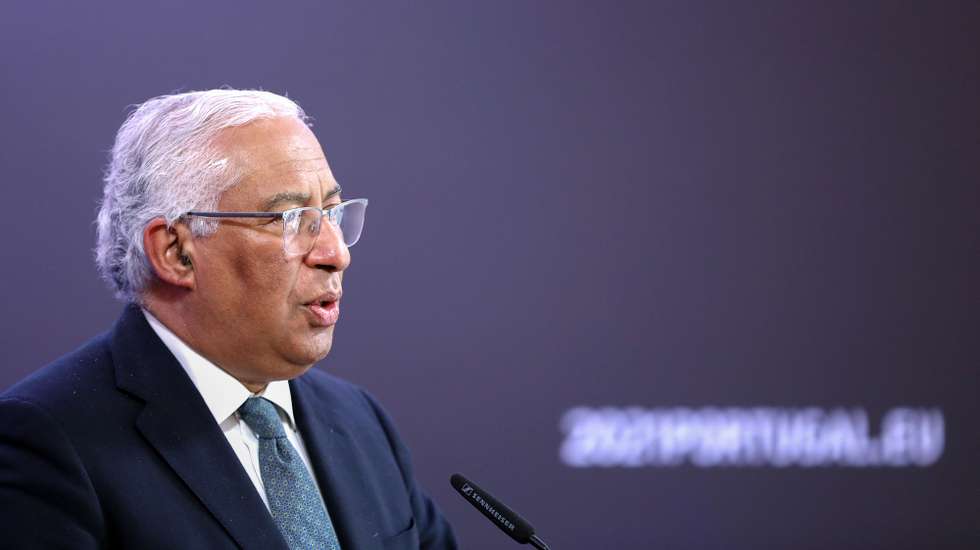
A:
(197, 422)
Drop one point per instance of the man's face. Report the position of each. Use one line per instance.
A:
(268, 315)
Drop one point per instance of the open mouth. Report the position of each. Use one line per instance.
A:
(325, 312)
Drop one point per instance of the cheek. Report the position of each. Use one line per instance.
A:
(263, 280)
(271, 288)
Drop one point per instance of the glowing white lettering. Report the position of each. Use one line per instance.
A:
(761, 436)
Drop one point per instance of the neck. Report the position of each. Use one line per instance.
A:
(255, 388)
(175, 316)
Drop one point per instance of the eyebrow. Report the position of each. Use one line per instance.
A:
(294, 197)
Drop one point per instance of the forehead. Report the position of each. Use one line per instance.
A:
(271, 157)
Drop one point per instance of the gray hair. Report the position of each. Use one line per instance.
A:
(163, 164)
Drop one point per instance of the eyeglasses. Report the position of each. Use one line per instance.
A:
(301, 226)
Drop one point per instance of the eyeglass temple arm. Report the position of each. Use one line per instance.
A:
(234, 214)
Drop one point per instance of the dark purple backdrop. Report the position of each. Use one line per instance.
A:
(600, 204)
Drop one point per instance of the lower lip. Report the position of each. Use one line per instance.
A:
(325, 316)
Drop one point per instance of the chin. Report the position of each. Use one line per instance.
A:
(314, 347)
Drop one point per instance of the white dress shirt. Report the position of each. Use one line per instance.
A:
(223, 395)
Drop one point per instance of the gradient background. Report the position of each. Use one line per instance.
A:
(604, 203)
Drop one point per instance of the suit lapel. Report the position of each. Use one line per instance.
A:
(177, 423)
(340, 467)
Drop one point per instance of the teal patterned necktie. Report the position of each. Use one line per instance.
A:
(293, 497)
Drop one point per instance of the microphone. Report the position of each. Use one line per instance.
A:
(500, 515)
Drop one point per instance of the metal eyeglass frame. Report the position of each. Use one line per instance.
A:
(330, 212)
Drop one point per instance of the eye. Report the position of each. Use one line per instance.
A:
(290, 221)
(333, 213)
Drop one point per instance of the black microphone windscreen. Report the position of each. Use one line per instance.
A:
(503, 517)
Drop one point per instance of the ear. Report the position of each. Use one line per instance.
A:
(170, 250)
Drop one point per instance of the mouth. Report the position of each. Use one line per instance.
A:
(324, 310)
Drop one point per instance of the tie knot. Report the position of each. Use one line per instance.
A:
(261, 415)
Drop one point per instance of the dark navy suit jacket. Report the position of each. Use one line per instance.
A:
(112, 446)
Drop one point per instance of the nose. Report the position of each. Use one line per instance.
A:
(329, 251)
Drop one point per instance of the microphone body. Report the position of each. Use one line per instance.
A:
(498, 513)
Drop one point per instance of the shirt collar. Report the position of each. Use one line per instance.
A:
(222, 393)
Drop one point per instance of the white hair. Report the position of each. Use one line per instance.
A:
(164, 164)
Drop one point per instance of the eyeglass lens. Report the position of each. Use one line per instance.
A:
(301, 227)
